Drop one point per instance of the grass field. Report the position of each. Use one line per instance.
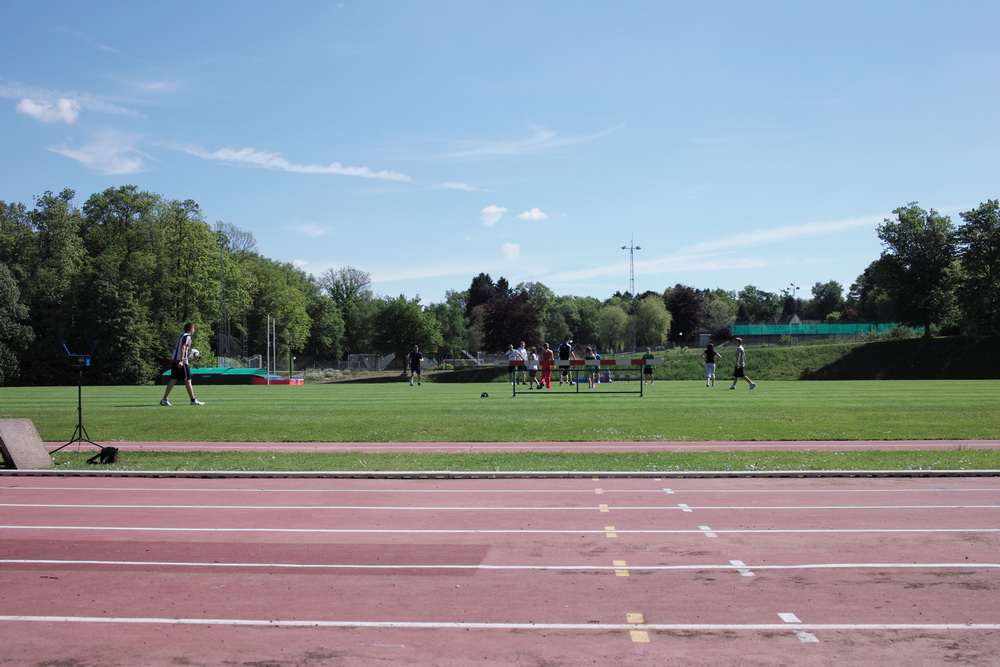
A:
(396, 412)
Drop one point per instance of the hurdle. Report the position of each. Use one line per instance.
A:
(575, 366)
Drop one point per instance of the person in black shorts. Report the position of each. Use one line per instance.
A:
(180, 368)
(413, 360)
(741, 366)
(565, 352)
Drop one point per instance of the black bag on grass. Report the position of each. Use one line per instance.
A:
(106, 455)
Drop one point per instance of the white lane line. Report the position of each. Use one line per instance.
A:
(526, 531)
(805, 637)
(737, 565)
(335, 490)
(511, 508)
(209, 489)
(762, 627)
(707, 531)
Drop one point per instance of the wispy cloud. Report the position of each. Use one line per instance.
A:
(778, 234)
(277, 162)
(60, 111)
(39, 98)
(88, 40)
(112, 153)
(534, 214)
(713, 255)
(511, 250)
(312, 230)
(541, 139)
(460, 186)
(491, 214)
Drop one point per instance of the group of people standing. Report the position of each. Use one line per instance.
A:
(528, 374)
(546, 362)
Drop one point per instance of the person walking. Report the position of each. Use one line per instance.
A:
(741, 366)
(548, 359)
(565, 351)
(413, 360)
(522, 355)
(591, 370)
(180, 367)
(711, 356)
(647, 370)
(533, 369)
(511, 355)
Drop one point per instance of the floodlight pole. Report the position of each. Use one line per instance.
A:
(631, 247)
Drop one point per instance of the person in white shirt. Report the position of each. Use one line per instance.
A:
(741, 366)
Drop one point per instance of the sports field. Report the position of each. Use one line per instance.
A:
(396, 412)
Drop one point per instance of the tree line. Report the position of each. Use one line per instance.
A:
(128, 268)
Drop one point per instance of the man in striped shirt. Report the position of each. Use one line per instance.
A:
(180, 369)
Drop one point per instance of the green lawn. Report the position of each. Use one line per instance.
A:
(396, 412)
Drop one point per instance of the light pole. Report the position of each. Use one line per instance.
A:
(631, 285)
(790, 291)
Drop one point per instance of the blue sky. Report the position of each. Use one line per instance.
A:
(425, 142)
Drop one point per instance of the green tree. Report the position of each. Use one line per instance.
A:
(481, 291)
(509, 319)
(612, 327)
(869, 295)
(326, 333)
(756, 305)
(15, 334)
(920, 256)
(452, 323)
(686, 306)
(401, 323)
(979, 248)
(827, 298)
(652, 321)
(350, 289)
(106, 311)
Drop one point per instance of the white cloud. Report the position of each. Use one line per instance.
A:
(112, 153)
(460, 186)
(542, 139)
(778, 234)
(511, 250)
(63, 111)
(491, 214)
(277, 162)
(312, 230)
(533, 214)
(40, 96)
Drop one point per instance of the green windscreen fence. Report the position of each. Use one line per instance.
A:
(810, 329)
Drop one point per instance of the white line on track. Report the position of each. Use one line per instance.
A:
(762, 627)
(447, 531)
(736, 566)
(492, 508)
(480, 490)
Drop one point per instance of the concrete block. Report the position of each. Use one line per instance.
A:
(20, 445)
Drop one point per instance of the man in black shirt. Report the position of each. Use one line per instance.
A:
(413, 361)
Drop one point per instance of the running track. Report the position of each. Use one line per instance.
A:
(101, 570)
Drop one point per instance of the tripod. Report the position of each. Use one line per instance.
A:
(79, 361)
(80, 433)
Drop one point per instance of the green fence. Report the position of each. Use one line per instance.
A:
(811, 329)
